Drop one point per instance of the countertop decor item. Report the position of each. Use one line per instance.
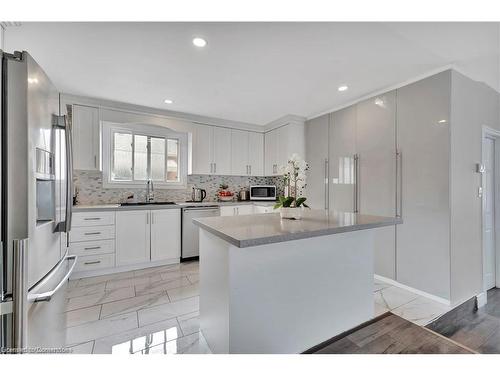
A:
(294, 178)
(225, 195)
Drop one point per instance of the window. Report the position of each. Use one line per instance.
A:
(138, 153)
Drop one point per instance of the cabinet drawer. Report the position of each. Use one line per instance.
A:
(92, 247)
(90, 219)
(95, 262)
(105, 232)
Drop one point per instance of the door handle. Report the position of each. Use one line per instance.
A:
(93, 262)
(327, 182)
(356, 183)
(92, 233)
(92, 248)
(399, 187)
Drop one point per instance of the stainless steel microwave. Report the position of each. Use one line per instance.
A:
(263, 193)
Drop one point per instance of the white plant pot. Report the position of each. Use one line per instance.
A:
(294, 213)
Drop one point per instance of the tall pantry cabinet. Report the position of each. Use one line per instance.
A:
(389, 156)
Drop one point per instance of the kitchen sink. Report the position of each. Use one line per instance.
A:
(145, 203)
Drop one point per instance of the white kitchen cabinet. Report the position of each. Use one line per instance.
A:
(247, 153)
(132, 237)
(376, 149)
(86, 140)
(280, 144)
(317, 158)
(165, 234)
(222, 151)
(244, 209)
(256, 153)
(211, 150)
(258, 209)
(271, 153)
(202, 150)
(239, 153)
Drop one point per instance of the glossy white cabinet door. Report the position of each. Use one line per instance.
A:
(227, 211)
(317, 158)
(271, 153)
(239, 153)
(85, 137)
(256, 153)
(132, 237)
(165, 234)
(244, 209)
(423, 240)
(376, 149)
(202, 150)
(342, 148)
(222, 151)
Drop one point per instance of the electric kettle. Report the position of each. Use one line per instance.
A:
(198, 194)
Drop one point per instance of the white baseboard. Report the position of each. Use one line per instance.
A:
(133, 267)
(413, 290)
(482, 299)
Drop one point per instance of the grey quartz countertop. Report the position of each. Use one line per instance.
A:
(117, 207)
(261, 229)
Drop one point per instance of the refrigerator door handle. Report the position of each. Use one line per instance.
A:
(356, 183)
(61, 122)
(19, 293)
(47, 296)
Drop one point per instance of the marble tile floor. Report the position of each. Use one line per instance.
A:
(155, 310)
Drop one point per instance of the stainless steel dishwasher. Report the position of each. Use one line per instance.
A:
(190, 236)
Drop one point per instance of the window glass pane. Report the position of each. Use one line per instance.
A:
(172, 160)
(122, 157)
(157, 159)
(140, 157)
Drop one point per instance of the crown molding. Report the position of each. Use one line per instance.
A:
(284, 120)
(163, 113)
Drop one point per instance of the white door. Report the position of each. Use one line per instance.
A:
(489, 212)
(202, 150)
(239, 153)
(222, 151)
(256, 153)
(132, 237)
(85, 137)
(165, 234)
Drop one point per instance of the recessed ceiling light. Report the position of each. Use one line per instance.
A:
(32, 80)
(442, 121)
(343, 88)
(168, 101)
(199, 42)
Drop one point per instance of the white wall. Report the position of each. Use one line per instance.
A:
(473, 105)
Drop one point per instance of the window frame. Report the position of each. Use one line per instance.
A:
(109, 129)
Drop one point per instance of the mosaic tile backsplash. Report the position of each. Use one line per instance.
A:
(91, 191)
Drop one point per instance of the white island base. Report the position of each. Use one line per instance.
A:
(284, 297)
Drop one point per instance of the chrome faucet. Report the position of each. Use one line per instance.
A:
(150, 191)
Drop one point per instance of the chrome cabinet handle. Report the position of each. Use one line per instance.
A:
(356, 183)
(92, 233)
(92, 218)
(95, 161)
(215, 167)
(47, 296)
(211, 167)
(399, 188)
(92, 248)
(147, 217)
(327, 182)
(93, 262)
(250, 169)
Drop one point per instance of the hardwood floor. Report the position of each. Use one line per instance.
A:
(476, 329)
(391, 335)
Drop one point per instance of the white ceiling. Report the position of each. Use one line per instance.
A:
(251, 72)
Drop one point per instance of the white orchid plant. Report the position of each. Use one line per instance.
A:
(294, 178)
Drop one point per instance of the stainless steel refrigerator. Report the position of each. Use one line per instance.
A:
(36, 201)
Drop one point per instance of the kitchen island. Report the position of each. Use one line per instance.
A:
(271, 285)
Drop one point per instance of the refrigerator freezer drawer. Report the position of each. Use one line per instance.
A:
(92, 247)
(105, 232)
(89, 219)
(95, 262)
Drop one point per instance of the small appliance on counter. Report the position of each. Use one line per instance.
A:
(244, 195)
(198, 194)
(224, 195)
(263, 192)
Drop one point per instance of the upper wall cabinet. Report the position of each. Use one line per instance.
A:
(85, 122)
(247, 153)
(280, 144)
(211, 150)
